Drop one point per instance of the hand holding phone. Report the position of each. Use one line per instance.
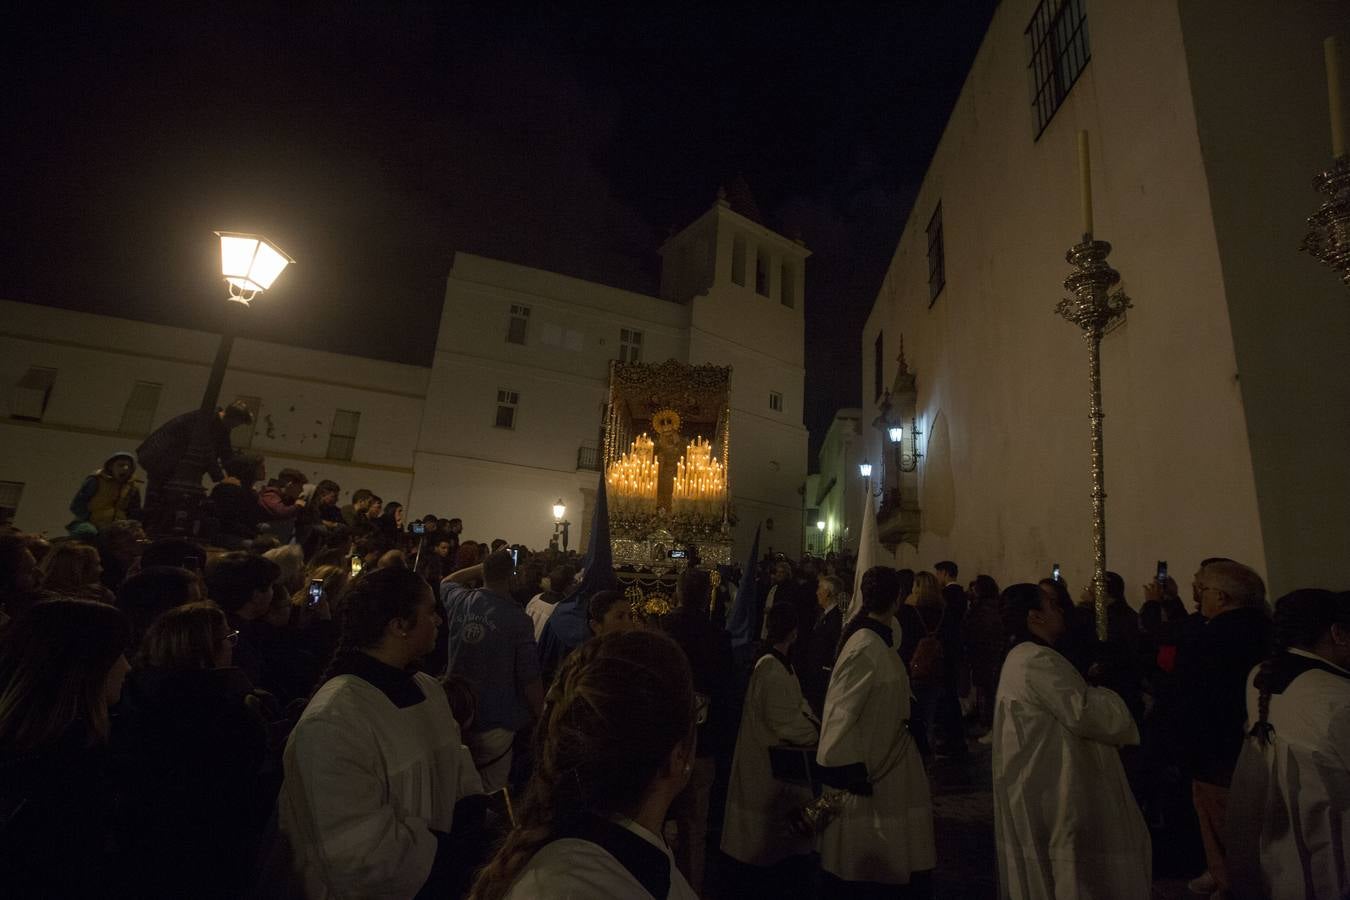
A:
(1162, 571)
(1054, 573)
(316, 591)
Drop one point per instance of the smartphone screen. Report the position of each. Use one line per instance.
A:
(1162, 571)
(1054, 572)
(515, 558)
(356, 566)
(315, 592)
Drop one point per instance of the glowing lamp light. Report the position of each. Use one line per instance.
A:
(865, 469)
(559, 510)
(250, 263)
(820, 526)
(896, 433)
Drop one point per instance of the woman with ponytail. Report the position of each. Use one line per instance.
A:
(614, 747)
(376, 763)
(1289, 809)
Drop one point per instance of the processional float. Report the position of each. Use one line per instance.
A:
(667, 464)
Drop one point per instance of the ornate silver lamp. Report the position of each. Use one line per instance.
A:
(1094, 308)
(1328, 237)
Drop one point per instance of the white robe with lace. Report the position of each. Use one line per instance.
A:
(758, 805)
(888, 836)
(1066, 825)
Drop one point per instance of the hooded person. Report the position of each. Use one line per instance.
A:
(109, 494)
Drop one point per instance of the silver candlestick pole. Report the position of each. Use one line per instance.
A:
(1094, 308)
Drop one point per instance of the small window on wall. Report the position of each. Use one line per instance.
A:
(738, 261)
(139, 413)
(630, 345)
(11, 492)
(1057, 53)
(762, 273)
(937, 257)
(507, 401)
(32, 393)
(775, 401)
(241, 438)
(520, 319)
(787, 286)
(342, 436)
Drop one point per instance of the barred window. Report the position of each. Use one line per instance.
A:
(32, 393)
(937, 256)
(775, 401)
(520, 318)
(1058, 51)
(342, 436)
(241, 437)
(507, 401)
(139, 413)
(630, 345)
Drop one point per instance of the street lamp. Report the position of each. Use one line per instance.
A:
(865, 469)
(820, 526)
(249, 264)
(896, 433)
(560, 525)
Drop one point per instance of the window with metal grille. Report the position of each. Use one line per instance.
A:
(775, 401)
(1058, 52)
(139, 413)
(342, 436)
(630, 345)
(937, 257)
(507, 401)
(241, 437)
(738, 260)
(10, 494)
(876, 365)
(520, 319)
(32, 392)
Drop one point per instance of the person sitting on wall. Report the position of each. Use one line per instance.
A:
(168, 445)
(282, 504)
(109, 494)
(236, 504)
(355, 510)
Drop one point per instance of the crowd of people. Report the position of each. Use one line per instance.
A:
(327, 702)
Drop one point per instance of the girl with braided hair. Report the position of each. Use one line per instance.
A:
(1289, 807)
(376, 764)
(613, 748)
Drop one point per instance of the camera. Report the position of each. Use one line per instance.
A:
(316, 592)
(678, 554)
(418, 528)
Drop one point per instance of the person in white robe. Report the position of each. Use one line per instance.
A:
(883, 832)
(1289, 807)
(615, 747)
(774, 714)
(1066, 825)
(376, 764)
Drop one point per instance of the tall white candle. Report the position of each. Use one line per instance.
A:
(1085, 181)
(1331, 50)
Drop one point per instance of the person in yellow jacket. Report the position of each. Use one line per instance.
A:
(111, 493)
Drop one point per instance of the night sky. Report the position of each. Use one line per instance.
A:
(373, 141)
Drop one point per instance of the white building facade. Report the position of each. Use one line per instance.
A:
(1227, 402)
(504, 422)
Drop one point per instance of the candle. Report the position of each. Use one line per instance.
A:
(1332, 51)
(1085, 182)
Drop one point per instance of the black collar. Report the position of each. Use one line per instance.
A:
(863, 621)
(787, 663)
(396, 684)
(646, 863)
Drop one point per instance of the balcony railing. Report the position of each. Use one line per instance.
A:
(589, 458)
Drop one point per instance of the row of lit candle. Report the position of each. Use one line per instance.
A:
(635, 474)
(700, 480)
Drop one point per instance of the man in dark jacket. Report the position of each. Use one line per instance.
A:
(954, 676)
(1212, 673)
(168, 445)
(709, 651)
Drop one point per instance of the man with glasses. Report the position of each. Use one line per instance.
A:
(1212, 671)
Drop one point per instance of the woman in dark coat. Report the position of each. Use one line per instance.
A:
(61, 667)
(190, 749)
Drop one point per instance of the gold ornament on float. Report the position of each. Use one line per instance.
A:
(666, 421)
